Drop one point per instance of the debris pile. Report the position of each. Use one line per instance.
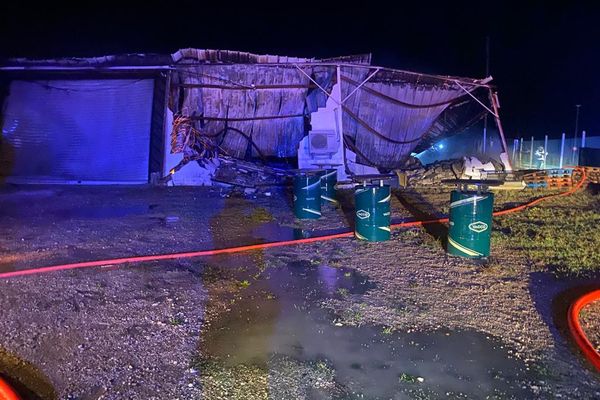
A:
(466, 167)
(248, 175)
(433, 174)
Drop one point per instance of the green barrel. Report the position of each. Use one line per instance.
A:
(372, 221)
(307, 195)
(470, 224)
(328, 181)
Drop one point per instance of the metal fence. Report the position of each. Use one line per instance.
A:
(544, 153)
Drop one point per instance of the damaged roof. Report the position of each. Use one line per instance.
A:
(262, 104)
(182, 56)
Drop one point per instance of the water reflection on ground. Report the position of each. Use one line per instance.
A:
(281, 318)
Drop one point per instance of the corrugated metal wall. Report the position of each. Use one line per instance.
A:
(223, 96)
(77, 130)
(388, 116)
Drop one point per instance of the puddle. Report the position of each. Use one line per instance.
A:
(280, 316)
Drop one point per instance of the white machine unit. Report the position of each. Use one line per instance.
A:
(322, 142)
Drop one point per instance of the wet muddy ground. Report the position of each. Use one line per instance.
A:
(331, 320)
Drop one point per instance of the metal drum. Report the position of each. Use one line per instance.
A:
(470, 223)
(328, 181)
(307, 195)
(372, 221)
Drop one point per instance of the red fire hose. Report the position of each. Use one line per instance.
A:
(6, 391)
(586, 347)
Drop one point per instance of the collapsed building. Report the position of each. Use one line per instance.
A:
(136, 118)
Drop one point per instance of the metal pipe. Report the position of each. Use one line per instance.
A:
(546, 152)
(319, 86)
(495, 114)
(521, 154)
(577, 106)
(531, 154)
(562, 150)
(361, 85)
(496, 106)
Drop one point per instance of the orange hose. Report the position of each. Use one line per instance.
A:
(229, 250)
(7, 392)
(171, 256)
(576, 330)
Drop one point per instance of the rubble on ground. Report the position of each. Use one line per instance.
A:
(434, 174)
(248, 175)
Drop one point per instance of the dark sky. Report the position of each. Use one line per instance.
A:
(545, 59)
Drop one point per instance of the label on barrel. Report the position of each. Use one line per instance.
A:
(478, 226)
(362, 214)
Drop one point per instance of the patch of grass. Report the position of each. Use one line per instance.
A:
(353, 317)
(321, 365)
(244, 284)
(428, 240)
(222, 381)
(175, 321)
(543, 371)
(562, 233)
(342, 292)
(401, 310)
(388, 330)
(502, 198)
(404, 377)
(260, 215)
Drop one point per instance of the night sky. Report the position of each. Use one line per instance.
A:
(545, 59)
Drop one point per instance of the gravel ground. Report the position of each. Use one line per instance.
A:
(136, 332)
(590, 321)
(121, 333)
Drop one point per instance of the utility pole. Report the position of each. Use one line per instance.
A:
(487, 73)
(577, 106)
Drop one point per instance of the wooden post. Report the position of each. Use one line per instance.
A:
(562, 150)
